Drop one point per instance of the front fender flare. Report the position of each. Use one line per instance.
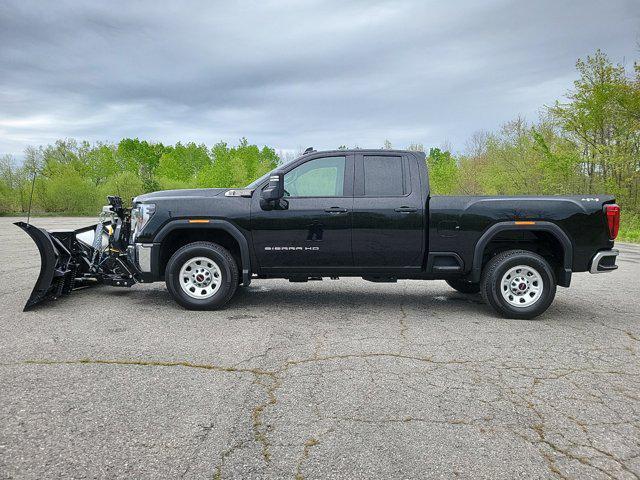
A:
(214, 224)
(565, 274)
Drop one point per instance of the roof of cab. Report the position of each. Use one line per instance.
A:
(363, 150)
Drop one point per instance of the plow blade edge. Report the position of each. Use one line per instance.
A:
(62, 258)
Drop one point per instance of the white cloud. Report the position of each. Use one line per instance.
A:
(292, 74)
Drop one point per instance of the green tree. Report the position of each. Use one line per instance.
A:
(102, 163)
(124, 184)
(142, 158)
(8, 185)
(236, 166)
(225, 171)
(182, 162)
(600, 118)
(64, 189)
(443, 172)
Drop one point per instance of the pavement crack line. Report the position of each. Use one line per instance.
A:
(147, 363)
(202, 436)
(409, 418)
(269, 380)
(260, 430)
(539, 429)
(217, 475)
(257, 413)
(364, 356)
(306, 450)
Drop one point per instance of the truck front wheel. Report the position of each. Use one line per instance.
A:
(518, 284)
(202, 276)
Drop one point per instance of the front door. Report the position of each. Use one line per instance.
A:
(311, 232)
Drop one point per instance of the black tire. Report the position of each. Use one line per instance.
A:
(228, 273)
(492, 288)
(463, 286)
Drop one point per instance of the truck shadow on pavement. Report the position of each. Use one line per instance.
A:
(282, 296)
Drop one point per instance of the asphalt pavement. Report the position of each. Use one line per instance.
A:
(335, 379)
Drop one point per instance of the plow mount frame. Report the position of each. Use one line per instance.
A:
(68, 264)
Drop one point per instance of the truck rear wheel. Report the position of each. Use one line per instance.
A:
(518, 284)
(202, 276)
(463, 286)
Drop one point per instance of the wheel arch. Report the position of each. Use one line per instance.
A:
(565, 270)
(205, 231)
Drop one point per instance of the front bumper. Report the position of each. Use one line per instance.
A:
(145, 257)
(604, 261)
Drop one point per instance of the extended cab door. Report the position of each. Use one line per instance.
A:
(388, 212)
(312, 231)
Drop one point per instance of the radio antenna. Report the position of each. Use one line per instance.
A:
(33, 184)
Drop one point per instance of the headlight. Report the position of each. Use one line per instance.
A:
(140, 216)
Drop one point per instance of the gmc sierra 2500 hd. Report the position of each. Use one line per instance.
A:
(363, 213)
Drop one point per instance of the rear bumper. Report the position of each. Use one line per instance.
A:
(604, 261)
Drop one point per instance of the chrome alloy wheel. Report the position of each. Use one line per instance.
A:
(200, 277)
(521, 286)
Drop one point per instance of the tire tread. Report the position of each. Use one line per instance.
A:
(227, 257)
(488, 281)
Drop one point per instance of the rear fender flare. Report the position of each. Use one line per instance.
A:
(213, 224)
(555, 230)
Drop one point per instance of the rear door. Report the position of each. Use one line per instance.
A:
(388, 212)
(313, 232)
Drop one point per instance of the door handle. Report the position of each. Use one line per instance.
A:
(336, 210)
(404, 209)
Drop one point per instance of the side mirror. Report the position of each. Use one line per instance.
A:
(274, 191)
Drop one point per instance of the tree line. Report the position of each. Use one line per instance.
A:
(586, 143)
(75, 177)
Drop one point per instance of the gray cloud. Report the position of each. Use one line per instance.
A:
(293, 73)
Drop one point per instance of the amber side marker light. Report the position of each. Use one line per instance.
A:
(198, 221)
(524, 222)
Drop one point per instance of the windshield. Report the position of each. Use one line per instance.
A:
(257, 182)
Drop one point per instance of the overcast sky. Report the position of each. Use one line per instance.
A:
(295, 73)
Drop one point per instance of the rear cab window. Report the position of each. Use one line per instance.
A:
(384, 176)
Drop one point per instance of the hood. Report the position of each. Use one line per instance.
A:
(178, 194)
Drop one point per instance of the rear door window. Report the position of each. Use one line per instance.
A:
(383, 176)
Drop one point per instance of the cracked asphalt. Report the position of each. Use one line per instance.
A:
(335, 379)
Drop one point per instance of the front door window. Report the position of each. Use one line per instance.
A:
(322, 177)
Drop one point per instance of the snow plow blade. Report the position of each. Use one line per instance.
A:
(62, 259)
(73, 259)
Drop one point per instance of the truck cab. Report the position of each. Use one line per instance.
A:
(343, 212)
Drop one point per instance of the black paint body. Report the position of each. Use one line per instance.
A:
(414, 235)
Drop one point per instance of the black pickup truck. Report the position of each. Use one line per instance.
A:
(362, 213)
